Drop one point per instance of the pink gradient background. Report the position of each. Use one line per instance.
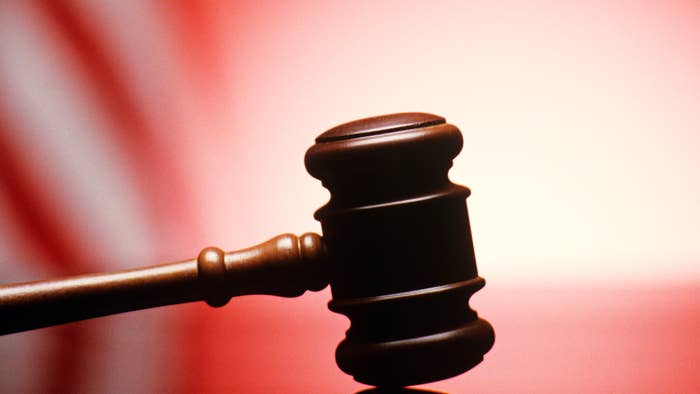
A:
(581, 122)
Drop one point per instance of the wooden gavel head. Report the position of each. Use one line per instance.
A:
(399, 249)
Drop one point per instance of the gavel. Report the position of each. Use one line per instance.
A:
(396, 249)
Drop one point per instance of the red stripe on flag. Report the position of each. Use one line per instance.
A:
(161, 183)
(193, 25)
(34, 212)
(44, 226)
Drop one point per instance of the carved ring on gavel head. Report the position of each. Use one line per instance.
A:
(396, 250)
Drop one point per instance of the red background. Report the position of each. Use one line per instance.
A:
(138, 132)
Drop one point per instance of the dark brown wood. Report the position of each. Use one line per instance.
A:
(397, 250)
(402, 260)
(285, 266)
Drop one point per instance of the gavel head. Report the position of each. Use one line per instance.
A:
(399, 246)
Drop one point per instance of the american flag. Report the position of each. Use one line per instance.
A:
(99, 102)
(139, 132)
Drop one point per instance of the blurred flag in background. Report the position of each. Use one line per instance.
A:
(133, 133)
(103, 108)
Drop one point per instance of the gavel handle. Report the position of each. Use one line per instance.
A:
(286, 265)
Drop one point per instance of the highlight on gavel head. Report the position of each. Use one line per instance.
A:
(399, 246)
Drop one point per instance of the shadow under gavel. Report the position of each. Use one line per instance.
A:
(396, 250)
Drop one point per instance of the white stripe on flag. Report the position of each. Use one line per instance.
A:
(65, 137)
